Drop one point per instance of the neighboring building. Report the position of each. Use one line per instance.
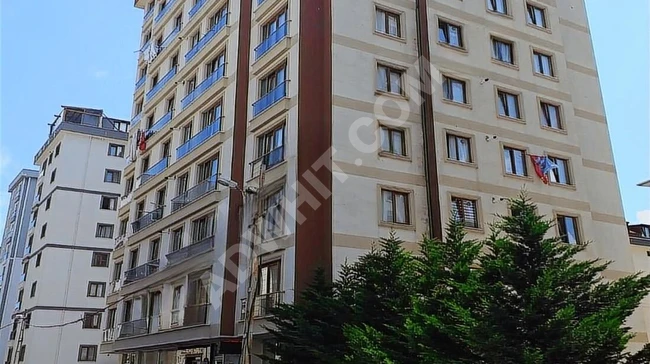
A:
(21, 191)
(65, 267)
(226, 87)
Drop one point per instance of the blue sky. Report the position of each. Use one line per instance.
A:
(82, 52)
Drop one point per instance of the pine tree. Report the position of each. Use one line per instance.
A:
(541, 305)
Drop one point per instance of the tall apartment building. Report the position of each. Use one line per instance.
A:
(21, 191)
(325, 124)
(65, 267)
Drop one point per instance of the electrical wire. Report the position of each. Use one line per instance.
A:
(57, 325)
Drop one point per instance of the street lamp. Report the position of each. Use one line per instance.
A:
(233, 185)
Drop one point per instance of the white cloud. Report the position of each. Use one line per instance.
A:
(643, 217)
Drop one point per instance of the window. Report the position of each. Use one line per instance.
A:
(96, 289)
(99, 260)
(212, 115)
(87, 353)
(10, 352)
(389, 80)
(43, 230)
(19, 303)
(458, 148)
(465, 210)
(543, 64)
(395, 207)
(535, 16)
(509, 105)
(176, 305)
(128, 188)
(52, 176)
(498, 6)
(450, 34)
(112, 176)
(38, 259)
(270, 147)
(387, 22)
(32, 291)
(393, 140)
(110, 320)
(154, 80)
(190, 85)
(104, 231)
(207, 170)
(144, 164)
(48, 202)
(202, 228)
(123, 227)
(561, 174)
(270, 275)
(274, 80)
(515, 161)
(117, 271)
(220, 14)
(133, 258)
(150, 121)
(178, 21)
(273, 215)
(177, 240)
(182, 184)
(502, 51)
(50, 157)
(170, 104)
(57, 150)
(194, 39)
(186, 133)
(127, 311)
(108, 203)
(568, 229)
(21, 354)
(269, 29)
(160, 197)
(116, 150)
(91, 320)
(454, 90)
(551, 116)
(215, 65)
(154, 250)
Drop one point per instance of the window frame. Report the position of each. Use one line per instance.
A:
(99, 288)
(529, 18)
(103, 198)
(447, 90)
(506, 5)
(577, 227)
(566, 161)
(390, 130)
(91, 320)
(117, 148)
(494, 39)
(520, 105)
(114, 173)
(456, 135)
(32, 289)
(390, 69)
(525, 166)
(100, 226)
(90, 349)
(536, 55)
(387, 14)
(97, 261)
(461, 35)
(409, 224)
(560, 115)
(476, 203)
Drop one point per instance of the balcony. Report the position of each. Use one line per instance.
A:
(221, 23)
(198, 139)
(191, 250)
(203, 86)
(160, 123)
(108, 335)
(114, 286)
(144, 47)
(167, 41)
(273, 96)
(140, 82)
(136, 119)
(196, 314)
(273, 39)
(194, 193)
(267, 161)
(164, 10)
(147, 220)
(134, 328)
(259, 2)
(157, 87)
(141, 272)
(264, 304)
(37, 200)
(195, 9)
(148, 15)
(155, 170)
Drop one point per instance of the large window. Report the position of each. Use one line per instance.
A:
(269, 29)
(211, 116)
(560, 175)
(392, 140)
(273, 80)
(202, 228)
(176, 305)
(388, 22)
(509, 105)
(273, 215)
(271, 146)
(395, 207)
(536, 16)
(177, 239)
(389, 79)
(465, 210)
(454, 90)
(551, 115)
(503, 50)
(568, 229)
(515, 161)
(458, 148)
(543, 64)
(450, 34)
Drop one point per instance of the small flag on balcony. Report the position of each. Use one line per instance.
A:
(142, 141)
(543, 165)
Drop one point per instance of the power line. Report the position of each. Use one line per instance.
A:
(57, 325)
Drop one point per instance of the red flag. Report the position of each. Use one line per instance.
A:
(142, 142)
(537, 162)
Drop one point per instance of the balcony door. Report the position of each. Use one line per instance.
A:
(155, 303)
(198, 299)
(271, 147)
(273, 80)
(208, 170)
(202, 228)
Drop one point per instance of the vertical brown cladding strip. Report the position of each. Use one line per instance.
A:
(431, 161)
(314, 235)
(228, 303)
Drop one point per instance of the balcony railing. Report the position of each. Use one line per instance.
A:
(167, 41)
(191, 250)
(148, 14)
(144, 47)
(140, 82)
(140, 272)
(195, 9)
(108, 335)
(164, 10)
(134, 328)
(154, 170)
(115, 286)
(136, 119)
(157, 87)
(264, 304)
(216, 28)
(160, 123)
(198, 139)
(273, 39)
(196, 315)
(259, 2)
(194, 193)
(267, 161)
(203, 86)
(147, 219)
(273, 96)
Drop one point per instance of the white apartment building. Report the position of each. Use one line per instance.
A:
(73, 220)
(21, 191)
(332, 100)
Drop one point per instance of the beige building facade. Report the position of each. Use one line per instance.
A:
(311, 128)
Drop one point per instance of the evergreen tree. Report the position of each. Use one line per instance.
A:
(541, 305)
